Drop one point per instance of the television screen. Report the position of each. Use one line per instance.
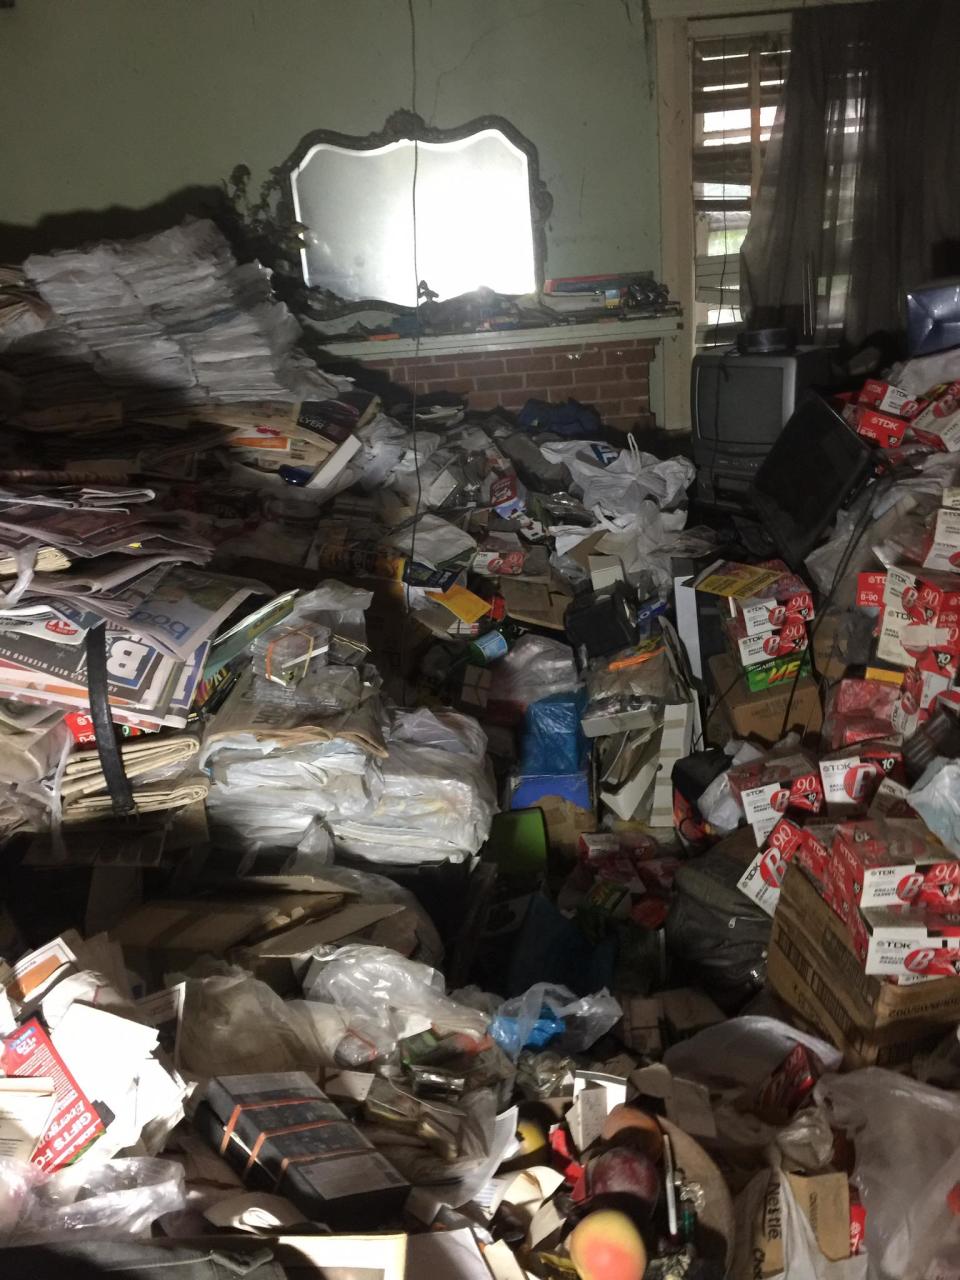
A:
(739, 402)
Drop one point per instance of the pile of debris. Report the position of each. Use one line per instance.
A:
(423, 849)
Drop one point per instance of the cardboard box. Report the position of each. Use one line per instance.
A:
(767, 788)
(763, 879)
(886, 398)
(823, 1198)
(938, 423)
(789, 638)
(885, 429)
(870, 585)
(760, 715)
(852, 775)
(813, 967)
(926, 595)
(893, 862)
(776, 671)
(909, 942)
(944, 552)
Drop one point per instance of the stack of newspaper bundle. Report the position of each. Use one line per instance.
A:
(164, 320)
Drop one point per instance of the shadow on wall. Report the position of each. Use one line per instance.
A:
(68, 230)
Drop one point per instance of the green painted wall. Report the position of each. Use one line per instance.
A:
(124, 104)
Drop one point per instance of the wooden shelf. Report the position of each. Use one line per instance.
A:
(571, 335)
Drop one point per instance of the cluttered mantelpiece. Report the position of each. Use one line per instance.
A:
(431, 841)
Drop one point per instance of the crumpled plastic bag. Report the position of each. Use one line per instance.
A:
(384, 998)
(536, 667)
(618, 482)
(906, 1136)
(437, 800)
(235, 1024)
(801, 1253)
(547, 1014)
(936, 797)
(646, 541)
(718, 803)
(111, 1199)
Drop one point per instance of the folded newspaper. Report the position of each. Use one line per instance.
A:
(83, 773)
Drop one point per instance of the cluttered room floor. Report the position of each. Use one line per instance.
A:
(446, 832)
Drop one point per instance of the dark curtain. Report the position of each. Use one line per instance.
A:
(859, 199)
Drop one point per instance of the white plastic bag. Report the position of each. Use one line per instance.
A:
(383, 997)
(742, 1052)
(936, 797)
(536, 667)
(906, 1136)
(801, 1253)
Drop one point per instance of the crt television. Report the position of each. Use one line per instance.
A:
(740, 404)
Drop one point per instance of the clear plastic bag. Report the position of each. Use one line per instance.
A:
(383, 998)
(437, 801)
(235, 1024)
(575, 1022)
(646, 686)
(742, 1052)
(906, 1136)
(801, 1253)
(265, 796)
(536, 667)
(856, 711)
(115, 1198)
(936, 797)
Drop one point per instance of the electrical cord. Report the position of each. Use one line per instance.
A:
(415, 374)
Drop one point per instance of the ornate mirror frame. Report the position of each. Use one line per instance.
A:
(277, 192)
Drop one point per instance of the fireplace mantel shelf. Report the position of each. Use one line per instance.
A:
(572, 335)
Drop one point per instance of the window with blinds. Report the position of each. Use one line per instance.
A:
(737, 85)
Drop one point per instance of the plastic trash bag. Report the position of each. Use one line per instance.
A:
(437, 800)
(936, 797)
(715, 935)
(383, 997)
(235, 1024)
(535, 668)
(574, 1022)
(618, 482)
(906, 1136)
(742, 1052)
(115, 1198)
(553, 741)
(801, 1253)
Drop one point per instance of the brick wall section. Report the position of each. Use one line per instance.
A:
(612, 376)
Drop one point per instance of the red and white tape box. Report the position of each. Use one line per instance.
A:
(750, 649)
(944, 549)
(884, 429)
(768, 788)
(917, 694)
(927, 595)
(787, 599)
(911, 942)
(870, 585)
(938, 423)
(787, 841)
(885, 397)
(852, 775)
(880, 862)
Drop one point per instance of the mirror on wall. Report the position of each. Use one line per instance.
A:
(459, 209)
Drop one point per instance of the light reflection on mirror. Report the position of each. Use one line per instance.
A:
(473, 218)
